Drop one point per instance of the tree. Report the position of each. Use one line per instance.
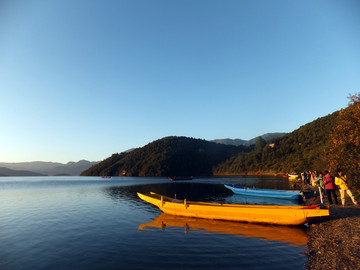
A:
(344, 142)
(259, 145)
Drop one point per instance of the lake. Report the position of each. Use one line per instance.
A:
(95, 223)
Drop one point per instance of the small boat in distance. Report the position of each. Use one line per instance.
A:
(268, 193)
(105, 176)
(176, 178)
(270, 214)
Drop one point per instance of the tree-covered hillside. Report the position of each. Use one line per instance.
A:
(104, 167)
(303, 149)
(344, 143)
(169, 156)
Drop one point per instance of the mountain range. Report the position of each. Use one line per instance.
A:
(183, 156)
(8, 172)
(303, 149)
(37, 168)
(174, 155)
(168, 156)
(41, 168)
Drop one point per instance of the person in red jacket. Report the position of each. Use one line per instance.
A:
(330, 187)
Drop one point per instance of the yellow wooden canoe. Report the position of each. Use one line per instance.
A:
(295, 236)
(271, 214)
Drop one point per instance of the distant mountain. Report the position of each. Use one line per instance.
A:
(228, 141)
(71, 168)
(8, 172)
(169, 156)
(238, 142)
(49, 168)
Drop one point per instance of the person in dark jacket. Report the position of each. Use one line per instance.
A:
(330, 187)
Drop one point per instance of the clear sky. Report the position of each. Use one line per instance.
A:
(82, 79)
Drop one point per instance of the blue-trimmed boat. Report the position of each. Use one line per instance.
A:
(268, 193)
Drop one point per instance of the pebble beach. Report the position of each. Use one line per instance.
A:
(334, 241)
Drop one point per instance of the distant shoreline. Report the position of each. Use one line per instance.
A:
(252, 174)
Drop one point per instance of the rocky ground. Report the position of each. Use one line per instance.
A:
(334, 241)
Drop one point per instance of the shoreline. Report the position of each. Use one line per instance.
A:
(334, 241)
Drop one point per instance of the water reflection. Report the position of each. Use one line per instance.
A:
(295, 236)
(93, 223)
(190, 191)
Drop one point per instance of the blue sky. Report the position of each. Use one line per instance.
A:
(82, 79)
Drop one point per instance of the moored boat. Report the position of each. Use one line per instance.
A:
(176, 178)
(268, 193)
(270, 214)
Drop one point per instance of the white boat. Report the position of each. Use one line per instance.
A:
(268, 193)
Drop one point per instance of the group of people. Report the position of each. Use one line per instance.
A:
(330, 184)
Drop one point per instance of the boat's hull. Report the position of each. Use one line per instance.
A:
(281, 215)
(267, 193)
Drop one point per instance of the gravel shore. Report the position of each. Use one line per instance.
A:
(334, 241)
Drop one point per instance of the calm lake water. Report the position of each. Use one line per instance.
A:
(95, 223)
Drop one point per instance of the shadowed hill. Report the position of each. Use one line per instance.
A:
(167, 157)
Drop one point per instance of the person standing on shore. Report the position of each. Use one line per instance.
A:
(308, 176)
(319, 180)
(330, 187)
(313, 177)
(341, 181)
(303, 177)
(319, 183)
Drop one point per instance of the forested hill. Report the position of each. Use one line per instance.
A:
(170, 156)
(303, 149)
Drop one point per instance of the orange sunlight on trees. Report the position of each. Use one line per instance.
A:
(344, 142)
